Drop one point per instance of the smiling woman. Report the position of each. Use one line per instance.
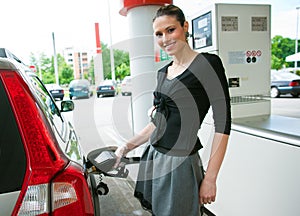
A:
(186, 88)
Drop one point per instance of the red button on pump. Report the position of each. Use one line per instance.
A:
(128, 4)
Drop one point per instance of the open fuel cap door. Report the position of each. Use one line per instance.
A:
(102, 161)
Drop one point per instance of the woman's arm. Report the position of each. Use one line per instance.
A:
(208, 188)
(142, 137)
(139, 139)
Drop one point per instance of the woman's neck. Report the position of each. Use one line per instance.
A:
(184, 57)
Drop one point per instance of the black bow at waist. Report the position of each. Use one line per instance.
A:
(163, 104)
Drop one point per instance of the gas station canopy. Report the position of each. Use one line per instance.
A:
(292, 58)
(128, 4)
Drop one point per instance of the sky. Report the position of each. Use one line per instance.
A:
(27, 25)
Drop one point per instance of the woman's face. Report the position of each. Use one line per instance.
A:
(169, 34)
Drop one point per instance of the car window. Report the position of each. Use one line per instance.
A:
(48, 105)
(12, 154)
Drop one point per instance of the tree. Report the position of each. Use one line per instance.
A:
(45, 65)
(276, 62)
(120, 57)
(281, 48)
(122, 71)
(65, 72)
(92, 71)
(106, 61)
(66, 75)
(47, 69)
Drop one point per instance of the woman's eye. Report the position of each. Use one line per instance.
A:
(171, 30)
(158, 35)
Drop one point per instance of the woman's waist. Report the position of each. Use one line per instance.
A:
(176, 148)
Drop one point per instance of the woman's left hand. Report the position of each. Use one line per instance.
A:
(207, 192)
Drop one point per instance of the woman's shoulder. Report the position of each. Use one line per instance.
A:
(165, 67)
(214, 60)
(211, 57)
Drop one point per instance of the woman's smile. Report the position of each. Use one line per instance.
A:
(169, 46)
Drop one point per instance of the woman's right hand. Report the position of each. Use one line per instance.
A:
(120, 152)
(133, 143)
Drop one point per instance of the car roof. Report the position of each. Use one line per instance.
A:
(7, 64)
(18, 64)
(284, 75)
(52, 85)
(107, 82)
(79, 82)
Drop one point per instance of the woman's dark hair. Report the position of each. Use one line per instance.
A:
(171, 10)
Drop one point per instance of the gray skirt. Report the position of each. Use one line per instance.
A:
(169, 185)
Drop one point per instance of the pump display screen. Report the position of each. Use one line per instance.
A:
(202, 31)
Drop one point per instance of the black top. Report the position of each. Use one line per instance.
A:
(183, 102)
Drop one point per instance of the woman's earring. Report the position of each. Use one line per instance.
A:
(187, 35)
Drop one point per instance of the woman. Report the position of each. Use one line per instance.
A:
(171, 179)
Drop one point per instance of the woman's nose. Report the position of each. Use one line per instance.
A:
(165, 38)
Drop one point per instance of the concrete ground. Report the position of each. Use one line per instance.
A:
(120, 200)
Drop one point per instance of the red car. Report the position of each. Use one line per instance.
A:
(43, 169)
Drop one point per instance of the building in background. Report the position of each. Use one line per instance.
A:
(78, 60)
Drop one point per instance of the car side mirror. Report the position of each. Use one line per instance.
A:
(67, 106)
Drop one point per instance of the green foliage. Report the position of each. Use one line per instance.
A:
(65, 72)
(122, 71)
(276, 62)
(66, 75)
(281, 48)
(106, 61)
(120, 58)
(92, 71)
(45, 68)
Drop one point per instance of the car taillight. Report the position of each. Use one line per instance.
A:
(70, 193)
(112, 88)
(44, 157)
(62, 91)
(293, 83)
(36, 200)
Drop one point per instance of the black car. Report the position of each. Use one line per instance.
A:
(106, 88)
(284, 82)
(56, 91)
